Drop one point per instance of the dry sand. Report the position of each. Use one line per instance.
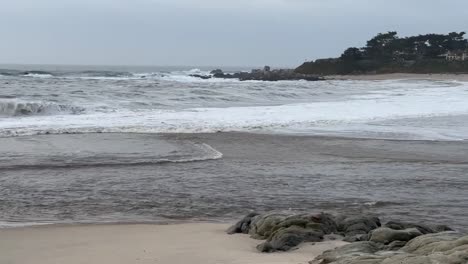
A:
(397, 76)
(142, 244)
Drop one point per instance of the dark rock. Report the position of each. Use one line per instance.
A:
(425, 229)
(287, 238)
(217, 71)
(266, 75)
(285, 232)
(436, 242)
(353, 250)
(385, 235)
(262, 226)
(395, 245)
(204, 77)
(356, 238)
(445, 247)
(332, 237)
(243, 226)
(291, 231)
(353, 227)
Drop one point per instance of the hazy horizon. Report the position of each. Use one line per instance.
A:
(280, 33)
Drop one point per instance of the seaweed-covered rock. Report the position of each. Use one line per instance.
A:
(356, 228)
(385, 235)
(350, 251)
(283, 232)
(436, 242)
(395, 245)
(425, 229)
(262, 226)
(443, 248)
(287, 238)
(243, 226)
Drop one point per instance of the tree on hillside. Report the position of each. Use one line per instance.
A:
(381, 47)
(352, 54)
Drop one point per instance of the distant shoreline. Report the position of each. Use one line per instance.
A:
(462, 77)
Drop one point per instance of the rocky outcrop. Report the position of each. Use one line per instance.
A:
(363, 250)
(294, 230)
(446, 247)
(357, 228)
(385, 235)
(204, 77)
(283, 232)
(243, 226)
(370, 241)
(425, 229)
(261, 75)
(289, 237)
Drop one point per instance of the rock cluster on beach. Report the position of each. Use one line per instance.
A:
(370, 241)
(261, 75)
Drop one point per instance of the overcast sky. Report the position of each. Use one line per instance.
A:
(208, 32)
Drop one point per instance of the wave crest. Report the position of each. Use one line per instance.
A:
(12, 108)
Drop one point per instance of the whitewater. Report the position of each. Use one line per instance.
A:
(172, 101)
(142, 144)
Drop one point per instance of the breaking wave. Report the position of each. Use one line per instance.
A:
(11, 108)
(182, 76)
(192, 152)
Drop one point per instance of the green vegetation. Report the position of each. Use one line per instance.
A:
(388, 53)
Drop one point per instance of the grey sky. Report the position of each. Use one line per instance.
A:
(208, 32)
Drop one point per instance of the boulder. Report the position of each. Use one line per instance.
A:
(283, 232)
(385, 235)
(395, 245)
(435, 242)
(349, 252)
(243, 226)
(443, 248)
(287, 238)
(262, 226)
(425, 229)
(217, 72)
(356, 228)
(294, 230)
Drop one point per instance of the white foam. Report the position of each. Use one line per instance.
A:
(350, 114)
(20, 224)
(39, 75)
(15, 107)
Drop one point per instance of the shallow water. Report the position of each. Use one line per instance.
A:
(400, 180)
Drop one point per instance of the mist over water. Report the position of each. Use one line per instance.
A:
(104, 145)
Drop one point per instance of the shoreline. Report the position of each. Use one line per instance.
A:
(462, 77)
(202, 243)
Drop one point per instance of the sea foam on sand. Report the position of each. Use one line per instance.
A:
(200, 243)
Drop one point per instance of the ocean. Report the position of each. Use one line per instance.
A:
(82, 144)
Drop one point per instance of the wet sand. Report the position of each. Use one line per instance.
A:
(142, 244)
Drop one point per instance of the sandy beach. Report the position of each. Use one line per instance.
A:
(201, 243)
(463, 77)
